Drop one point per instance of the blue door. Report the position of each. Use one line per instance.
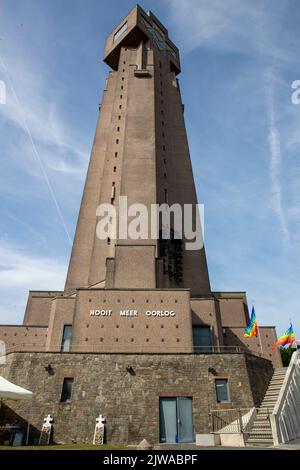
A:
(185, 419)
(176, 419)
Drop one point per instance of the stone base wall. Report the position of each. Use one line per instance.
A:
(129, 400)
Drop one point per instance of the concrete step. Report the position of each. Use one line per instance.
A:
(265, 409)
(263, 445)
(268, 408)
(260, 437)
(273, 395)
(261, 430)
(274, 388)
(261, 433)
(261, 424)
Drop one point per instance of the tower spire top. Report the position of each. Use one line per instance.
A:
(139, 26)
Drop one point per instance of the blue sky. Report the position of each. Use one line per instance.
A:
(239, 59)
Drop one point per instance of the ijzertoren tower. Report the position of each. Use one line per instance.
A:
(140, 151)
(137, 335)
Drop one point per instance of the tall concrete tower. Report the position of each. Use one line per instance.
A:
(137, 334)
(140, 151)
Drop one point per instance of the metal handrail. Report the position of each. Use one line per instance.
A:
(83, 347)
(285, 420)
(232, 420)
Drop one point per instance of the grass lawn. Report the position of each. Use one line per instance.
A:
(69, 447)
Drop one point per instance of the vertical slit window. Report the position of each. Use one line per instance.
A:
(67, 389)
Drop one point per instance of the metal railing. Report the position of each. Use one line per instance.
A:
(285, 419)
(97, 348)
(219, 349)
(232, 421)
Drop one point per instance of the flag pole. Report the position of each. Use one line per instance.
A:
(258, 332)
(295, 342)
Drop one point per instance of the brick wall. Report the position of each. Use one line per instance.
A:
(130, 402)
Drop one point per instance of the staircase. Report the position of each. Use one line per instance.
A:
(261, 432)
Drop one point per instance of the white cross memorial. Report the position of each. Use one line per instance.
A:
(46, 431)
(99, 431)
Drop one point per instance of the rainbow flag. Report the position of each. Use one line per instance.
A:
(287, 339)
(252, 329)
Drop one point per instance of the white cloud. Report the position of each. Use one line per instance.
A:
(213, 23)
(275, 161)
(36, 107)
(21, 272)
(251, 28)
(34, 111)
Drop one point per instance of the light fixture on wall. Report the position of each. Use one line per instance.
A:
(49, 369)
(130, 370)
(212, 371)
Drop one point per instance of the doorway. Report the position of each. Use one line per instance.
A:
(176, 419)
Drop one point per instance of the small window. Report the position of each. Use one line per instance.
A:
(66, 393)
(115, 169)
(222, 391)
(113, 193)
(117, 141)
(120, 32)
(122, 88)
(162, 112)
(164, 148)
(116, 154)
(66, 338)
(108, 240)
(202, 339)
(162, 123)
(121, 96)
(122, 79)
(119, 117)
(118, 129)
(120, 106)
